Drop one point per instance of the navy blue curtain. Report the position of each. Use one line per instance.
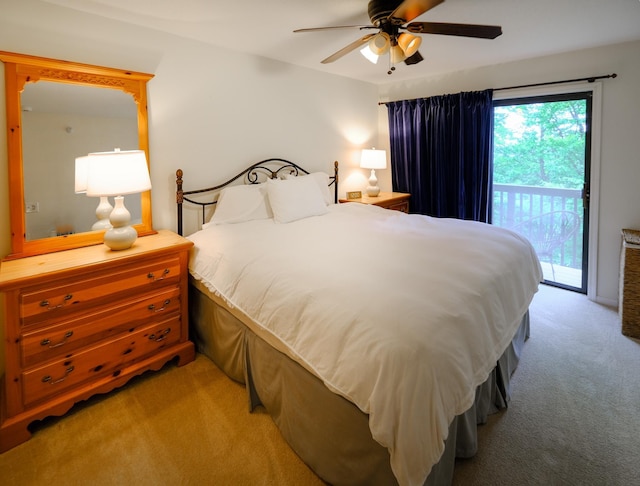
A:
(441, 153)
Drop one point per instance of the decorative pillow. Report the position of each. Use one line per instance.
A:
(295, 198)
(322, 179)
(237, 204)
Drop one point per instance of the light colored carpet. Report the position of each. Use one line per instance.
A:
(574, 418)
(179, 426)
(574, 415)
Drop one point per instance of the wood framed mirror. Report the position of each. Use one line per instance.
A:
(48, 170)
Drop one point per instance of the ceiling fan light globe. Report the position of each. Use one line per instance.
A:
(409, 43)
(380, 43)
(371, 57)
(397, 55)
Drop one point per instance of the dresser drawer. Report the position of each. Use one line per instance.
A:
(41, 345)
(399, 206)
(59, 301)
(101, 360)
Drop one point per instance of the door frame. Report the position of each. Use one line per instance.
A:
(591, 225)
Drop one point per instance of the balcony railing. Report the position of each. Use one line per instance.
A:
(514, 206)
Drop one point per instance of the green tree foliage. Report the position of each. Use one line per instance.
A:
(540, 144)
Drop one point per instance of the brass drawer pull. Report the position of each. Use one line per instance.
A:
(48, 379)
(153, 278)
(45, 303)
(162, 335)
(152, 307)
(47, 342)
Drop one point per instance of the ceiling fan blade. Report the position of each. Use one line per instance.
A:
(315, 29)
(410, 9)
(346, 50)
(414, 59)
(462, 30)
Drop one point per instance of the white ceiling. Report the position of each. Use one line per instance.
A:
(531, 28)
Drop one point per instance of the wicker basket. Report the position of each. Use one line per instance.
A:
(629, 306)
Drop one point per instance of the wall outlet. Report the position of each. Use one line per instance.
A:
(32, 207)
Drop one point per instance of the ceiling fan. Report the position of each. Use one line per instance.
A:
(395, 35)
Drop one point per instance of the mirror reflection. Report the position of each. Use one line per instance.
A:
(59, 123)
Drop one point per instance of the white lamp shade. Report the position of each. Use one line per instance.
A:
(117, 173)
(82, 169)
(373, 159)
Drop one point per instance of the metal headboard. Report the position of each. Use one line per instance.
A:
(254, 174)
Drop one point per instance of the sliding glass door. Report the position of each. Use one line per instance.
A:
(541, 174)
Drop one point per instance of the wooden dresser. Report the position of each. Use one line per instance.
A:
(85, 321)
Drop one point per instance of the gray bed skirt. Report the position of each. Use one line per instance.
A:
(329, 433)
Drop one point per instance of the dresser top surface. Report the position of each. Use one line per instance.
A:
(41, 265)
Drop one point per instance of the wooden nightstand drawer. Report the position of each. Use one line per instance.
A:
(59, 301)
(45, 344)
(399, 206)
(105, 359)
(397, 201)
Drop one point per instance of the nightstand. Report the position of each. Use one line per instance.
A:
(85, 321)
(398, 201)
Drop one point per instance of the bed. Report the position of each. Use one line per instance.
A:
(377, 340)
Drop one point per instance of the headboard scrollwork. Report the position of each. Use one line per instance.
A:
(255, 174)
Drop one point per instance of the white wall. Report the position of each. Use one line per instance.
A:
(214, 118)
(619, 195)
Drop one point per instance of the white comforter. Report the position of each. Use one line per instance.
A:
(404, 315)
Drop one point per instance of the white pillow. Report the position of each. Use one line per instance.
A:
(295, 198)
(237, 204)
(322, 179)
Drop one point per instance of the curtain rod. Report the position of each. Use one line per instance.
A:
(590, 79)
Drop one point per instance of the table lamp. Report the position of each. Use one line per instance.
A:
(373, 159)
(116, 174)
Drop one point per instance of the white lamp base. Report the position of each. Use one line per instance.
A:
(121, 236)
(372, 189)
(103, 211)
